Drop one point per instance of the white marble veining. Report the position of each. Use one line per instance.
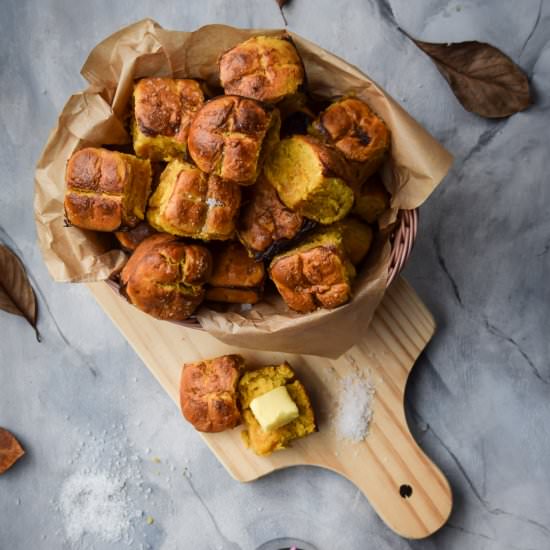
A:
(479, 398)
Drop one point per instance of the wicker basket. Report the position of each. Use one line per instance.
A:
(402, 245)
(402, 242)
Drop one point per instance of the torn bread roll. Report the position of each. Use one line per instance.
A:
(310, 178)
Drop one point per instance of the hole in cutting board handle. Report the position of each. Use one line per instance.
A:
(405, 491)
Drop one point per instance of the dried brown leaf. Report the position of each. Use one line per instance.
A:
(16, 293)
(484, 80)
(10, 450)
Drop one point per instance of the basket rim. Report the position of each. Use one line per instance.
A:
(402, 239)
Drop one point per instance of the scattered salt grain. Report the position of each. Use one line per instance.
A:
(95, 504)
(354, 411)
(96, 499)
(213, 202)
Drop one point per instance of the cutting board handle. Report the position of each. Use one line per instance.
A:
(403, 485)
(411, 494)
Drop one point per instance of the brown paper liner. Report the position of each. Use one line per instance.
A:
(96, 116)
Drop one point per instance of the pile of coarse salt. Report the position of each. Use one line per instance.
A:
(95, 503)
(97, 499)
(354, 411)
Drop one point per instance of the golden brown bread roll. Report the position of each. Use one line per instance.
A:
(208, 393)
(236, 277)
(315, 274)
(190, 203)
(106, 190)
(164, 277)
(266, 68)
(129, 240)
(372, 201)
(354, 129)
(230, 136)
(310, 178)
(266, 225)
(163, 111)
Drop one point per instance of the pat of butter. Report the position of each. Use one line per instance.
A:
(274, 409)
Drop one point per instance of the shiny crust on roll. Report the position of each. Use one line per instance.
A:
(315, 274)
(208, 393)
(266, 225)
(106, 190)
(357, 132)
(163, 111)
(129, 240)
(230, 136)
(236, 277)
(190, 203)
(164, 277)
(266, 68)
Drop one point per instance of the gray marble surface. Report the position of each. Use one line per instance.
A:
(479, 398)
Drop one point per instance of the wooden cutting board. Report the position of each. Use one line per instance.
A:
(406, 489)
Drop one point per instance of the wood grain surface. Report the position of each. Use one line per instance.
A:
(405, 488)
